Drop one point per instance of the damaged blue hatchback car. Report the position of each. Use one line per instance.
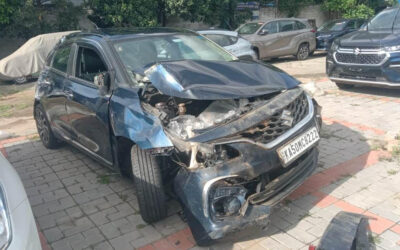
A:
(186, 119)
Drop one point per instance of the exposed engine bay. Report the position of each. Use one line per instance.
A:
(184, 119)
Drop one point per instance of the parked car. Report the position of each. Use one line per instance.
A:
(369, 56)
(331, 30)
(30, 58)
(232, 42)
(280, 37)
(172, 107)
(17, 225)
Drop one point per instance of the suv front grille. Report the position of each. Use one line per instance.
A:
(367, 59)
(274, 127)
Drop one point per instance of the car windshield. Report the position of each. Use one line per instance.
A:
(333, 26)
(249, 28)
(139, 54)
(383, 20)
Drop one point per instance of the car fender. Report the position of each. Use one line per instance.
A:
(129, 120)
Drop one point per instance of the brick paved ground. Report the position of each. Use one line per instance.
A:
(79, 204)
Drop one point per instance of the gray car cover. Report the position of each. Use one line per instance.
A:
(31, 57)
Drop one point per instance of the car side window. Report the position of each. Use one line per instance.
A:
(221, 40)
(351, 25)
(89, 64)
(60, 59)
(272, 27)
(286, 25)
(300, 25)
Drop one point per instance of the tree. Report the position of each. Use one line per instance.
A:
(7, 8)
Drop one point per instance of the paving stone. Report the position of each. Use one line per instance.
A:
(53, 234)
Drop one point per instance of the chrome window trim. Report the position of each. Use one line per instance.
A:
(362, 51)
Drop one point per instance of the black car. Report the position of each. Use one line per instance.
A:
(370, 56)
(331, 30)
(228, 138)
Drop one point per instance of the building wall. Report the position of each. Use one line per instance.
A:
(308, 12)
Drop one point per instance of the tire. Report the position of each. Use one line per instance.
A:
(147, 178)
(20, 80)
(344, 85)
(257, 53)
(199, 234)
(44, 129)
(311, 53)
(303, 52)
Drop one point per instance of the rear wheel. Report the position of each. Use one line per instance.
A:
(344, 85)
(20, 80)
(303, 52)
(146, 169)
(44, 130)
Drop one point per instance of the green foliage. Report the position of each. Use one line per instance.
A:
(29, 20)
(349, 8)
(7, 8)
(144, 13)
(292, 7)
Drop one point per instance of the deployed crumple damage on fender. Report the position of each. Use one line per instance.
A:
(225, 121)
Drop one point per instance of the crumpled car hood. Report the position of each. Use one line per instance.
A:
(214, 80)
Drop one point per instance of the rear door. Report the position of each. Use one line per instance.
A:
(87, 106)
(54, 102)
(287, 31)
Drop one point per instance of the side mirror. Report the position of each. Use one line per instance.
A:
(263, 32)
(103, 80)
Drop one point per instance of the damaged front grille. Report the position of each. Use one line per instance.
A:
(280, 122)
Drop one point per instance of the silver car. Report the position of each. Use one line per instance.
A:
(17, 226)
(280, 37)
(232, 42)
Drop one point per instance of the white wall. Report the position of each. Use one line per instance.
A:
(308, 12)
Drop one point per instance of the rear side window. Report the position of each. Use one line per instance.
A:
(222, 40)
(300, 25)
(286, 25)
(60, 59)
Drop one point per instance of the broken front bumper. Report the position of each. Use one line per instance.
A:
(194, 186)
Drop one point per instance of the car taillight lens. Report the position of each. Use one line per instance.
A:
(5, 224)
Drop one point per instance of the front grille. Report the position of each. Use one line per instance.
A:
(274, 126)
(367, 59)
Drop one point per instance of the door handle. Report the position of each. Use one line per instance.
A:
(68, 93)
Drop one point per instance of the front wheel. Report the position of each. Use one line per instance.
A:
(44, 130)
(303, 52)
(146, 169)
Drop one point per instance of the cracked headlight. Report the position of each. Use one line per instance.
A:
(5, 224)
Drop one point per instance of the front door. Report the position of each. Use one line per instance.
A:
(270, 41)
(87, 107)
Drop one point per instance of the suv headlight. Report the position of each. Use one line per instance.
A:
(334, 46)
(393, 48)
(5, 223)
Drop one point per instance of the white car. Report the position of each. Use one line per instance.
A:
(17, 226)
(232, 42)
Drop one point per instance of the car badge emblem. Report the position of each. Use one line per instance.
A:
(357, 51)
(287, 118)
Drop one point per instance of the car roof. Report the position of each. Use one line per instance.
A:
(279, 19)
(219, 32)
(123, 33)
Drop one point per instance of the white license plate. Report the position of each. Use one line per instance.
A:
(293, 149)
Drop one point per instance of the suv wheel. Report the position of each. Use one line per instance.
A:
(303, 52)
(44, 130)
(146, 170)
(344, 85)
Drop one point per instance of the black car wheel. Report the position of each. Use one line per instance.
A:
(146, 170)
(44, 130)
(344, 85)
(303, 52)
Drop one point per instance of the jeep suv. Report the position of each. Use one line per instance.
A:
(370, 56)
